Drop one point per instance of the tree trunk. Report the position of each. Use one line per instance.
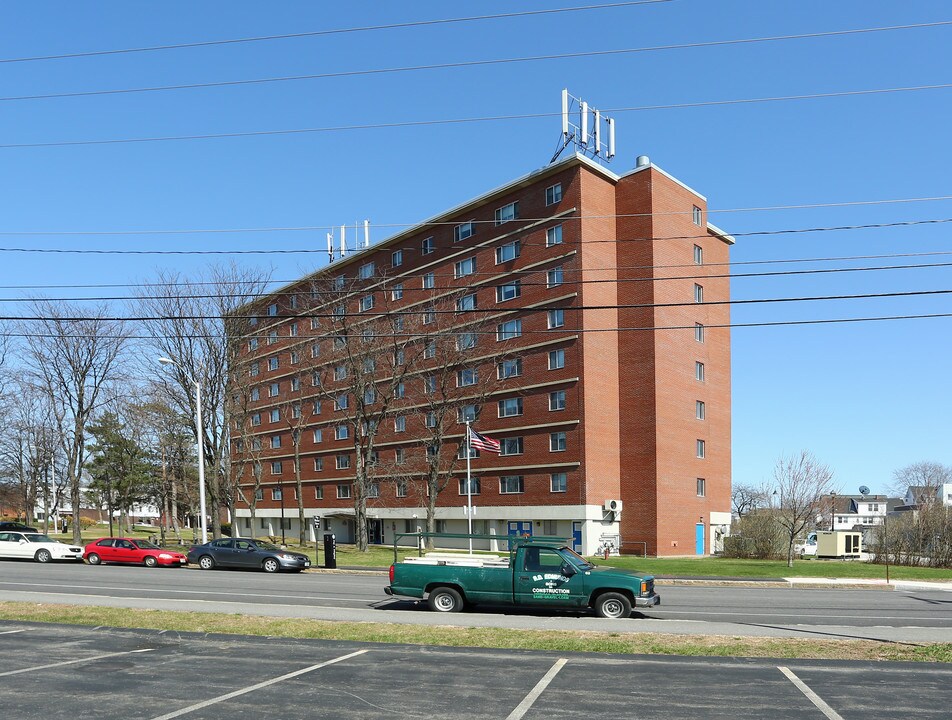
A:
(300, 490)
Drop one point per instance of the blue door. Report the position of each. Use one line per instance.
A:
(699, 539)
(577, 537)
(520, 528)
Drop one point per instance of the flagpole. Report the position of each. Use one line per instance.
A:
(469, 487)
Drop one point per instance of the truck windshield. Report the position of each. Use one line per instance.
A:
(576, 559)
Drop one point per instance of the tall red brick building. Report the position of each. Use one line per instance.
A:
(608, 298)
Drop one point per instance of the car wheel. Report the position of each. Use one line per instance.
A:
(150, 561)
(445, 599)
(613, 605)
(43, 556)
(270, 565)
(206, 562)
(94, 559)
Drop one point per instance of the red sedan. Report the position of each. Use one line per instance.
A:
(131, 551)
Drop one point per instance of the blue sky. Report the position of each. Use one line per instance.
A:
(866, 398)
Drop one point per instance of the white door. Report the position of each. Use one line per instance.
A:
(16, 546)
(8, 548)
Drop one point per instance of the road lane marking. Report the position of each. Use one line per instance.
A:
(252, 688)
(74, 662)
(303, 596)
(812, 696)
(10, 632)
(64, 599)
(523, 707)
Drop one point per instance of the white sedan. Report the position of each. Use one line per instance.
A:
(36, 546)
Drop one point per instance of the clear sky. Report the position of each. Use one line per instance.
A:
(866, 398)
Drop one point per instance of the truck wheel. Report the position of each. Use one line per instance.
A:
(445, 599)
(613, 605)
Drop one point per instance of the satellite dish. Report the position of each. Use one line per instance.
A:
(863, 490)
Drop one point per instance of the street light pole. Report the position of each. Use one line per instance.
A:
(832, 511)
(201, 446)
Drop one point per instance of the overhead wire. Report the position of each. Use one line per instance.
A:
(472, 63)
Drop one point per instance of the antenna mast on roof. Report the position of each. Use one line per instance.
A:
(587, 143)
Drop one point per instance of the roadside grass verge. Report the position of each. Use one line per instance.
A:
(497, 638)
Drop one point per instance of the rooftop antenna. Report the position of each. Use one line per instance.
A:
(343, 240)
(366, 233)
(330, 247)
(586, 134)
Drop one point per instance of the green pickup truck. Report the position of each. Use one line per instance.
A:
(538, 572)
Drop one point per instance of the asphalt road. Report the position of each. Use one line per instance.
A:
(62, 673)
(899, 616)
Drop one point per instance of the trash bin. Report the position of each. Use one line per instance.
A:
(330, 550)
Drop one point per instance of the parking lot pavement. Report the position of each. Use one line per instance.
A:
(59, 672)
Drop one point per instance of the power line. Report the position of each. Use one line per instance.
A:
(458, 121)
(323, 33)
(471, 63)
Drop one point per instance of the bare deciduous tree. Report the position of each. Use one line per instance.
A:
(926, 476)
(801, 482)
(745, 498)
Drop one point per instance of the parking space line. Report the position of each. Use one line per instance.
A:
(527, 702)
(252, 688)
(73, 662)
(10, 632)
(812, 696)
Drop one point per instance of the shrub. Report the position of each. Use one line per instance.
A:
(757, 535)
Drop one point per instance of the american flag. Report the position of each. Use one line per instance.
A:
(481, 442)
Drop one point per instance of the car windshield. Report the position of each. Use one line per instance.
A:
(576, 559)
(267, 546)
(38, 538)
(146, 545)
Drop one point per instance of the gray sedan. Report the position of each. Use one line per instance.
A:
(247, 553)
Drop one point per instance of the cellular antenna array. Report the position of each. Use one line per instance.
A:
(586, 135)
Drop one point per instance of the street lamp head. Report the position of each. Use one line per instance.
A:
(166, 361)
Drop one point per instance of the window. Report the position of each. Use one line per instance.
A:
(700, 448)
(473, 452)
(509, 251)
(557, 442)
(341, 432)
(339, 282)
(508, 291)
(465, 267)
(471, 488)
(293, 330)
(252, 321)
(429, 350)
(339, 310)
(429, 281)
(467, 377)
(466, 341)
(315, 350)
(318, 435)
(699, 332)
(370, 396)
(273, 389)
(553, 236)
(510, 407)
(366, 303)
(441, 526)
(461, 232)
(272, 337)
(396, 293)
(557, 400)
(699, 409)
(343, 462)
(698, 255)
(701, 487)
(273, 363)
(295, 383)
(467, 413)
(319, 492)
(255, 393)
(511, 484)
(699, 371)
(510, 446)
(276, 467)
(253, 344)
(399, 457)
(429, 384)
(400, 423)
(696, 215)
(275, 415)
(554, 277)
(341, 402)
(339, 341)
(399, 391)
(465, 303)
(427, 246)
(558, 482)
(509, 368)
(556, 359)
(430, 419)
(295, 357)
(256, 419)
(340, 372)
(277, 493)
(698, 293)
(432, 451)
(556, 318)
(365, 272)
(315, 323)
(507, 213)
(396, 258)
(254, 369)
(373, 490)
(509, 329)
(553, 194)
(343, 491)
(401, 490)
(429, 315)
(549, 529)
(259, 494)
(275, 442)
(272, 310)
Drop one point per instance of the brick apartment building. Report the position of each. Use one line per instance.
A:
(605, 295)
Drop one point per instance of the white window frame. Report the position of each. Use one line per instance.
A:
(396, 258)
(502, 291)
(464, 267)
(508, 252)
(553, 194)
(553, 236)
(509, 330)
(701, 449)
(507, 213)
(505, 480)
(366, 271)
(463, 231)
(510, 407)
(556, 359)
(427, 246)
(555, 318)
(563, 482)
(700, 409)
(558, 441)
(557, 400)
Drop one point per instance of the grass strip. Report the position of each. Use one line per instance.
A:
(499, 638)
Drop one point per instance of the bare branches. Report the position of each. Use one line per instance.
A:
(801, 482)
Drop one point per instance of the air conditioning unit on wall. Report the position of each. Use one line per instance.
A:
(613, 506)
